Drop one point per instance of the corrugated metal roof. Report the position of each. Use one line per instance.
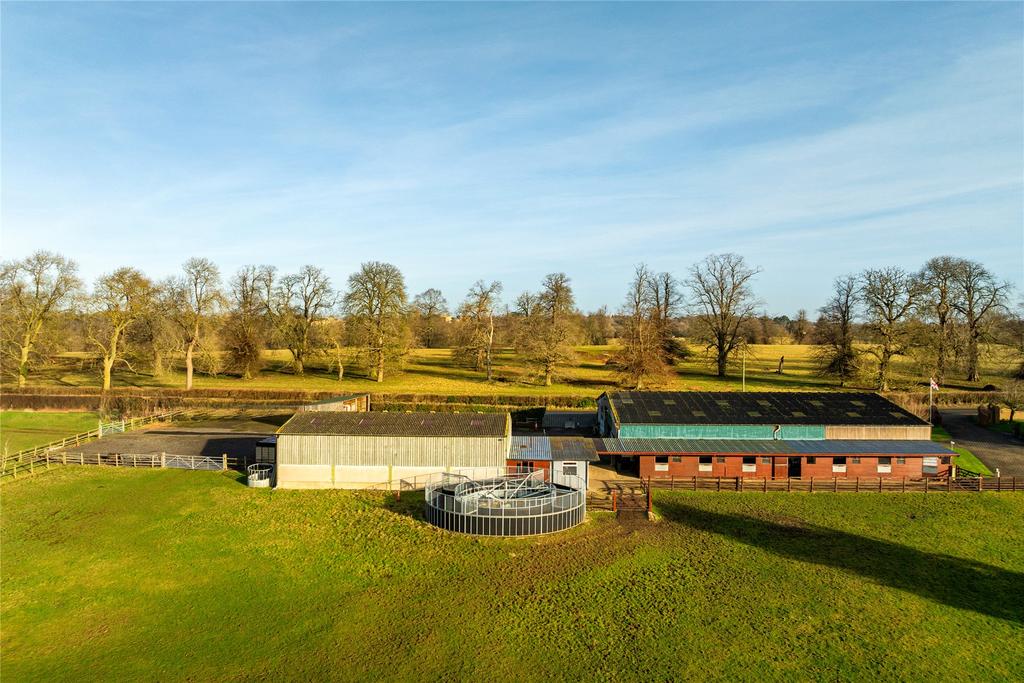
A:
(552, 448)
(743, 446)
(397, 424)
(777, 407)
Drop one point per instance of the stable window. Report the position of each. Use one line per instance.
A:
(569, 468)
(704, 463)
(856, 461)
(766, 461)
(749, 463)
(661, 463)
(901, 461)
(811, 459)
(721, 460)
(677, 458)
(884, 465)
(931, 465)
(839, 464)
(945, 460)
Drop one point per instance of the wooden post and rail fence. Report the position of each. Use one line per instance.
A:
(27, 460)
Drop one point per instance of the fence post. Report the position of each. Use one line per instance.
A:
(765, 484)
(615, 505)
(225, 460)
(81, 457)
(812, 486)
(949, 484)
(163, 460)
(979, 482)
(695, 482)
(64, 457)
(739, 483)
(835, 484)
(857, 486)
(719, 484)
(672, 482)
(789, 484)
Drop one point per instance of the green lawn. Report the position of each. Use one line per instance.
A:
(431, 371)
(964, 457)
(114, 574)
(21, 429)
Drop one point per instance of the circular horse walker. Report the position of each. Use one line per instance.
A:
(504, 501)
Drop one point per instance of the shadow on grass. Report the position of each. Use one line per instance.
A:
(953, 581)
(409, 505)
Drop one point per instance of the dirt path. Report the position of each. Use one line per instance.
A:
(996, 450)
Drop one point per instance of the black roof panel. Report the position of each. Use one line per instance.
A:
(720, 407)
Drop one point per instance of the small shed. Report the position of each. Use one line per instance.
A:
(347, 403)
(562, 456)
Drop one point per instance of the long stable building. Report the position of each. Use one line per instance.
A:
(762, 434)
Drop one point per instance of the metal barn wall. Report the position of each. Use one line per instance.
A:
(396, 451)
(879, 433)
(664, 431)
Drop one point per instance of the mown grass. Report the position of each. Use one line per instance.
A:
(432, 371)
(964, 457)
(118, 574)
(26, 429)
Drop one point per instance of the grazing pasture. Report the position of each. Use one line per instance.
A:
(20, 429)
(113, 574)
(432, 371)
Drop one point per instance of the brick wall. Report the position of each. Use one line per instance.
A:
(688, 466)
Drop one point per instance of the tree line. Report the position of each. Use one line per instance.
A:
(941, 313)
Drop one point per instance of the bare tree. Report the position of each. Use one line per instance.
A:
(551, 327)
(294, 305)
(429, 305)
(641, 358)
(890, 296)
(194, 296)
(666, 300)
(246, 326)
(723, 302)
(154, 336)
(937, 305)
(800, 328)
(977, 296)
(1013, 397)
(32, 292)
(118, 300)
(598, 327)
(475, 342)
(376, 305)
(834, 331)
(336, 333)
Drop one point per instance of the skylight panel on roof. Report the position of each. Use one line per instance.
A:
(852, 413)
(627, 401)
(669, 402)
(698, 413)
(753, 413)
(764, 403)
(724, 404)
(898, 414)
(797, 413)
(859, 404)
(654, 413)
(817, 404)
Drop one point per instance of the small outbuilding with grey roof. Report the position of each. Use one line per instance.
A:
(356, 450)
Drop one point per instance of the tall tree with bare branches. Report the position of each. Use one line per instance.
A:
(834, 332)
(429, 306)
(978, 295)
(376, 305)
(475, 341)
(118, 300)
(937, 306)
(195, 296)
(722, 301)
(890, 296)
(32, 292)
(246, 326)
(641, 358)
(552, 327)
(294, 305)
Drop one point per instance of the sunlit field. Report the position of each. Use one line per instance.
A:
(432, 371)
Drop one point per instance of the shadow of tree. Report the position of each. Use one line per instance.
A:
(953, 581)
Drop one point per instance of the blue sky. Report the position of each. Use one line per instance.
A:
(506, 141)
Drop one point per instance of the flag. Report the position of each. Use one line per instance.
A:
(935, 385)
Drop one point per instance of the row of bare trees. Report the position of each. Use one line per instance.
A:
(947, 310)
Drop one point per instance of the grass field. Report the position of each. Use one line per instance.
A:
(431, 371)
(26, 429)
(117, 574)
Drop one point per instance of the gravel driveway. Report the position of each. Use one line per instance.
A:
(994, 449)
